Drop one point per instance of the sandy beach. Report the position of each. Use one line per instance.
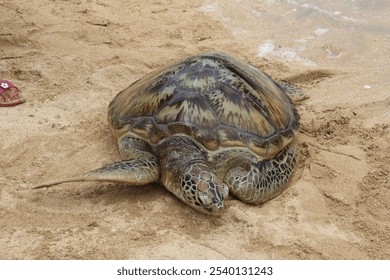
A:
(70, 58)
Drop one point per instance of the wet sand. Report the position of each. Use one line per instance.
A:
(70, 58)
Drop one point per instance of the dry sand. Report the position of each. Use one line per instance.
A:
(70, 58)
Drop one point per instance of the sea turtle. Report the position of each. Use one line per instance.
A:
(203, 127)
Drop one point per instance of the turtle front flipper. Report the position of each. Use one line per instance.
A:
(138, 167)
(135, 172)
(263, 180)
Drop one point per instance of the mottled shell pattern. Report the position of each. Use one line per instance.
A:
(215, 99)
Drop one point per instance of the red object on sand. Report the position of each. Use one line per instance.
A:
(4, 85)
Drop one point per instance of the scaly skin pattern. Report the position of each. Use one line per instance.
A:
(186, 172)
(264, 180)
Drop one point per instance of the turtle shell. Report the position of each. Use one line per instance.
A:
(215, 99)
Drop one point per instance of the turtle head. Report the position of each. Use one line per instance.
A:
(202, 190)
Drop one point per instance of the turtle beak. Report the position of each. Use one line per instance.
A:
(215, 209)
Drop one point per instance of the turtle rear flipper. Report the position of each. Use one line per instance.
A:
(295, 93)
(134, 172)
